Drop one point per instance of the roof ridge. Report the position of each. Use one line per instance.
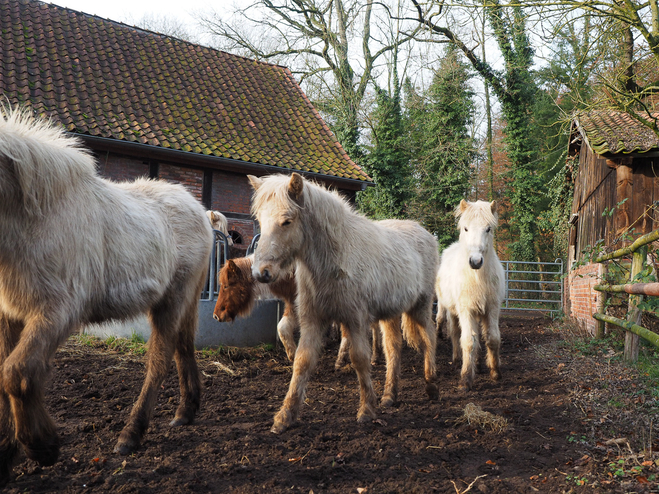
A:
(162, 35)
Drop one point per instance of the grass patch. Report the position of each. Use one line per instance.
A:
(134, 345)
(237, 353)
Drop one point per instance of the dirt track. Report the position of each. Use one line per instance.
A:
(414, 447)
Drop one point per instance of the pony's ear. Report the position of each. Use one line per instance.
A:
(461, 208)
(493, 207)
(296, 186)
(255, 181)
(232, 270)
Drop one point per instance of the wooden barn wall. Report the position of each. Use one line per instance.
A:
(594, 190)
(645, 188)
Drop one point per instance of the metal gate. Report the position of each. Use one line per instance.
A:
(535, 286)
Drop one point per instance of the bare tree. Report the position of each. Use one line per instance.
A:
(165, 25)
(337, 44)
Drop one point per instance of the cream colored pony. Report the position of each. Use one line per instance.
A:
(219, 222)
(66, 262)
(349, 270)
(470, 289)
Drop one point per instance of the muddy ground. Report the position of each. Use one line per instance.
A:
(562, 433)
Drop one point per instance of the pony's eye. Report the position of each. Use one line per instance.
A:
(466, 230)
(489, 229)
(286, 223)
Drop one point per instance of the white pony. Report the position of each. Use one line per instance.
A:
(65, 262)
(470, 288)
(219, 222)
(349, 270)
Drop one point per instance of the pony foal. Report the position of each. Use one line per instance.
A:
(65, 262)
(470, 288)
(349, 270)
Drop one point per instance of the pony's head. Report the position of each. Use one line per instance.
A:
(477, 222)
(236, 293)
(219, 222)
(277, 203)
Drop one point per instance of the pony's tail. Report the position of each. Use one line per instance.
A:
(412, 332)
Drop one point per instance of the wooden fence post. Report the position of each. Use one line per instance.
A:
(633, 312)
(601, 305)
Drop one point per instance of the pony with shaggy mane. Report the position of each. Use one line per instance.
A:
(65, 262)
(349, 270)
(470, 289)
(219, 222)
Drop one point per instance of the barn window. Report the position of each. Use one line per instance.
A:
(236, 237)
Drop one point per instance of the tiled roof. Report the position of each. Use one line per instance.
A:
(611, 132)
(106, 79)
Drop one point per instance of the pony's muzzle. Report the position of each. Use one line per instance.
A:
(264, 276)
(476, 262)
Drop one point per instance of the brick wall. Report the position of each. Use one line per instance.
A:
(583, 300)
(192, 179)
(121, 168)
(231, 192)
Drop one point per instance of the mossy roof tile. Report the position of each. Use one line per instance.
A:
(103, 77)
(610, 132)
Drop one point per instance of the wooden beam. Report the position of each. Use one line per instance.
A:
(646, 334)
(651, 289)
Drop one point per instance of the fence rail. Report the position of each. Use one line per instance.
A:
(219, 255)
(530, 279)
(639, 251)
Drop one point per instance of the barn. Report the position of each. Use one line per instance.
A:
(153, 105)
(150, 105)
(615, 190)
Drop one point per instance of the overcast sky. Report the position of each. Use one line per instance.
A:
(132, 11)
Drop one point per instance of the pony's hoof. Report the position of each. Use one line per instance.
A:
(283, 420)
(366, 415)
(44, 451)
(278, 428)
(179, 421)
(8, 452)
(495, 375)
(432, 391)
(126, 444)
(124, 448)
(464, 387)
(387, 402)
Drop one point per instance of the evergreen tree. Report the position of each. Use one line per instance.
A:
(442, 148)
(388, 161)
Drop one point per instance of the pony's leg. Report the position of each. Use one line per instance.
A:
(422, 335)
(392, 339)
(306, 357)
(469, 341)
(440, 327)
(361, 361)
(492, 338)
(286, 331)
(453, 328)
(377, 343)
(164, 321)
(23, 373)
(9, 334)
(344, 349)
(188, 373)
